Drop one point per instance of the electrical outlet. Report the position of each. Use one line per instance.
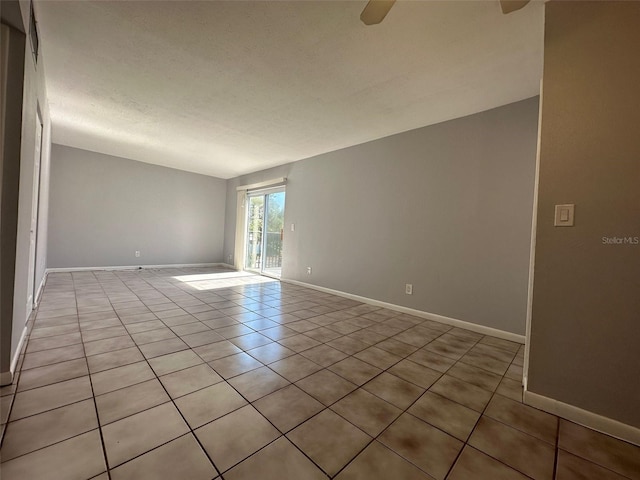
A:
(408, 289)
(308, 270)
(137, 253)
(230, 259)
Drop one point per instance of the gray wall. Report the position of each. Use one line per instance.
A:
(585, 323)
(104, 208)
(446, 208)
(26, 94)
(13, 46)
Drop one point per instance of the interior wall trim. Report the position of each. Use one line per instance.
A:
(36, 299)
(6, 378)
(532, 251)
(586, 418)
(135, 267)
(454, 322)
(16, 355)
(241, 224)
(267, 183)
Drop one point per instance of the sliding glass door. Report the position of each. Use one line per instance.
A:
(265, 227)
(255, 216)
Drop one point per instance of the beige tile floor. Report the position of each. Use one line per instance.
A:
(202, 374)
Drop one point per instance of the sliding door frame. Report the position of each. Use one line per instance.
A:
(265, 193)
(242, 205)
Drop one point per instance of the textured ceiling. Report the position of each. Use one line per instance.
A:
(227, 88)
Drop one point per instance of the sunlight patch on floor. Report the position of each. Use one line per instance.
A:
(211, 281)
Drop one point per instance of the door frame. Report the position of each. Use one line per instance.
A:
(32, 289)
(262, 237)
(262, 192)
(242, 193)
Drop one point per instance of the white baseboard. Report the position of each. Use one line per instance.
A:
(454, 322)
(135, 267)
(7, 377)
(36, 300)
(588, 419)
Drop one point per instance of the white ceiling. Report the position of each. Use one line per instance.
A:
(227, 88)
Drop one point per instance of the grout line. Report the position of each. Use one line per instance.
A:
(15, 392)
(305, 298)
(373, 438)
(95, 405)
(172, 400)
(406, 410)
(156, 377)
(251, 404)
(482, 414)
(556, 449)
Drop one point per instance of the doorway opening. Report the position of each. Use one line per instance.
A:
(265, 228)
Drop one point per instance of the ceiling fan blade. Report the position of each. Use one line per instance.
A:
(509, 6)
(375, 11)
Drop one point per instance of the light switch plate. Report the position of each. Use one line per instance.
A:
(564, 215)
